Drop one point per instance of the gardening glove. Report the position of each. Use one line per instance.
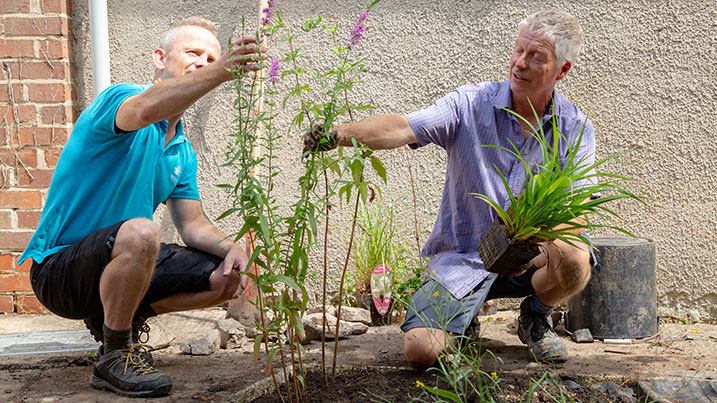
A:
(316, 140)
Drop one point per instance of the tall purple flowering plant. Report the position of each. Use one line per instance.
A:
(282, 243)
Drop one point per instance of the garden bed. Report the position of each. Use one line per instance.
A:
(386, 384)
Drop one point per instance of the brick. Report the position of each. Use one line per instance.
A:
(7, 178)
(56, 114)
(21, 199)
(15, 240)
(28, 219)
(37, 25)
(54, 92)
(56, 6)
(24, 267)
(51, 156)
(40, 177)
(5, 222)
(22, 113)
(39, 70)
(29, 304)
(27, 156)
(14, 6)
(17, 93)
(7, 304)
(42, 136)
(58, 48)
(17, 48)
(15, 282)
(5, 262)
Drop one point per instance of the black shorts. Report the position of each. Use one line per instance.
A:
(67, 282)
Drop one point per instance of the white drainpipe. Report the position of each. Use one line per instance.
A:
(100, 45)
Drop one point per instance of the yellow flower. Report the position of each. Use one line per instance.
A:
(695, 330)
(428, 258)
(433, 272)
(419, 384)
(494, 375)
(435, 294)
(441, 357)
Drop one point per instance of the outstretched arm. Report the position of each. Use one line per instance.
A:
(380, 132)
(173, 96)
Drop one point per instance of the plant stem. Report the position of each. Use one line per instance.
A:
(415, 208)
(323, 292)
(341, 285)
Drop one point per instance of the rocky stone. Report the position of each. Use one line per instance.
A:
(570, 384)
(205, 345)
(345, 329)
(331, 310)
(231, 333)
(582, 336)
(243, 311)
(611, 388)
(358, 328)
(312, 331)
(351, 314)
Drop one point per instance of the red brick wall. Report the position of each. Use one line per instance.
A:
(36, 115)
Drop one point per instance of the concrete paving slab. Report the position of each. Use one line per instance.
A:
(43, 342)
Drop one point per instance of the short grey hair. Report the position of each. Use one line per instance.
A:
(560, 28)
(170, 35)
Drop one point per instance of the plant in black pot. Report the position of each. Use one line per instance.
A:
(561, 194)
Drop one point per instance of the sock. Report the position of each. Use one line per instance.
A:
(116, 339)
(537, 306)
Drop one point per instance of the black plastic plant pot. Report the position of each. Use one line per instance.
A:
(500, 255)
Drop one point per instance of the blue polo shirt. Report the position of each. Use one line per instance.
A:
(104, 177)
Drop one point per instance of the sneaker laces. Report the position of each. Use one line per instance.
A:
(133, 358)
(140, 332)
(540, 327)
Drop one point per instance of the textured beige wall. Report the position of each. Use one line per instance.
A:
(646, 78)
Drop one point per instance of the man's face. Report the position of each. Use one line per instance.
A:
(192, 48)
(533, 72)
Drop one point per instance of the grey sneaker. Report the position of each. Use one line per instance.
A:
(536, 330)
(125, 372)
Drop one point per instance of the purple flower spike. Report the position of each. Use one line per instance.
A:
(358, 29)
(268, 13)
(275, 69)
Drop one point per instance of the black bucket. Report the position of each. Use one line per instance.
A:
(620, 301)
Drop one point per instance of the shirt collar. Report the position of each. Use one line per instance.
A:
(502, 99)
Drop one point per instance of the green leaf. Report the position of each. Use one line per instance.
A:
(286, 280)
(443, 393)
(378, 166)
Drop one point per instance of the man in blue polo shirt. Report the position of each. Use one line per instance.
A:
(461, 122)
(96, 252)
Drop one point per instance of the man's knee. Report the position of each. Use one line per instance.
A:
(575, 269)
(422, 346)
(138, 235)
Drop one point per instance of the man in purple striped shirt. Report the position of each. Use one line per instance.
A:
(461, 122)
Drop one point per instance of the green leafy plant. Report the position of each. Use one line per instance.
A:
(376, 242)
(559, 198)
(282, 239)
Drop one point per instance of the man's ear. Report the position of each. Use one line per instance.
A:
(159, 57)
(564, 70)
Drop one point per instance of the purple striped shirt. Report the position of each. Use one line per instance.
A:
(460, 123)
